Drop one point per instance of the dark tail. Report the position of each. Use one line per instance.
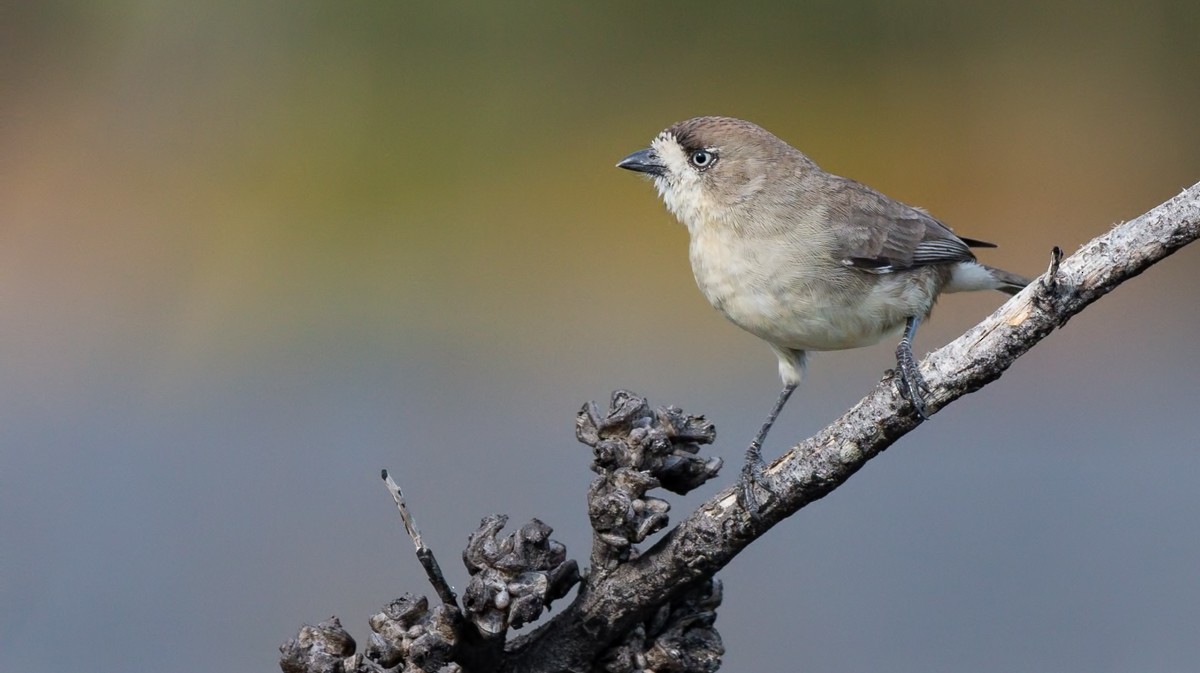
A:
(1010, 283)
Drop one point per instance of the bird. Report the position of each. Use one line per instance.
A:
(803, 259)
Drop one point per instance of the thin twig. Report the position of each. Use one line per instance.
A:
(424, 554)
(1050, 278)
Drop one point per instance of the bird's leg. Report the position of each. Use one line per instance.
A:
(754, 453)
(752, 470)
(912, 384)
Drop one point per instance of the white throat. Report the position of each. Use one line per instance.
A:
(680, 186)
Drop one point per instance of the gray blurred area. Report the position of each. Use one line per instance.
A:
(252, 253)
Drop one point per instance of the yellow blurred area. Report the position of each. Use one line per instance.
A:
(225, 175)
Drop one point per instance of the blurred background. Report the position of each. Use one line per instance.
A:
(250, 253)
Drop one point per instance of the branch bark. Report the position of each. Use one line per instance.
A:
(609, 605)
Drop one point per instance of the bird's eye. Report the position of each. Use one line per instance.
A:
(703, 158)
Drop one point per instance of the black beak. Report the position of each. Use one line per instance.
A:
(642, 161)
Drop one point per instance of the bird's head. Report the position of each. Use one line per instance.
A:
(707, 168)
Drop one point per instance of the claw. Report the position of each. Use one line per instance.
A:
(751, 478)
(912, 385)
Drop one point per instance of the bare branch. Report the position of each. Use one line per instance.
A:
(710, 538)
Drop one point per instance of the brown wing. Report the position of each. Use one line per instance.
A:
(881, 235)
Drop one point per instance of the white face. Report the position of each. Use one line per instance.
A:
(682, 186)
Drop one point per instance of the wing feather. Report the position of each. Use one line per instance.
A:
(882, 235)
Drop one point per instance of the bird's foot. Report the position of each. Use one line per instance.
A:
(752, 478)
(912, 384)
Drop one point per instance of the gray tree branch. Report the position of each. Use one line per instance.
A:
(707, 540)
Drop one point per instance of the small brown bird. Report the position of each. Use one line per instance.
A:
(802, 259)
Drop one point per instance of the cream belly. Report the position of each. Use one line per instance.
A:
(795, 321)
(794, 303)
